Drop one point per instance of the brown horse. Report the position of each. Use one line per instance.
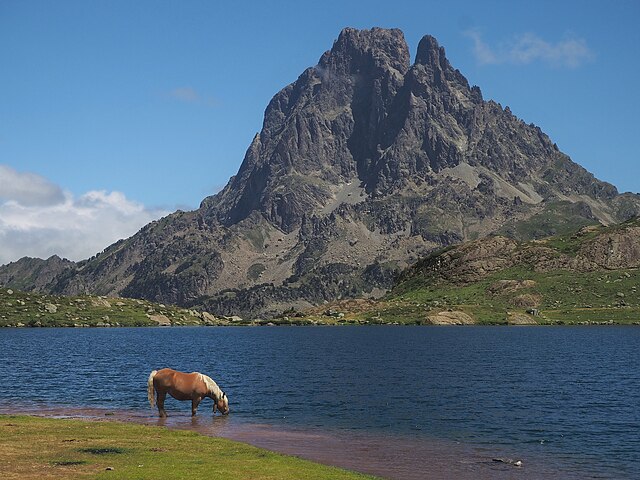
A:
(185, 386)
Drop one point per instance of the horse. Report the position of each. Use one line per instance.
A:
(185, 386)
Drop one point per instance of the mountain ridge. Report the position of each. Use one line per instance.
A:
(363, 165)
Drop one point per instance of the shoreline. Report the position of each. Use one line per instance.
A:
(30, 310)
(607, 323)
(45, 447)
(390, 456)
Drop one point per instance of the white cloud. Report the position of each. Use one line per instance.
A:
(73, 228)
(528, 48)
(27, 188)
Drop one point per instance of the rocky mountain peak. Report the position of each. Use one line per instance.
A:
(364, 115)
(429, 51)
(357, 51)
(431, 58)
(364, 164)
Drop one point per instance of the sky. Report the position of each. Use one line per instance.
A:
(115, 113)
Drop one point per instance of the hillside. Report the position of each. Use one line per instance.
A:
(590, 276)
(365, 164)
(29, 309)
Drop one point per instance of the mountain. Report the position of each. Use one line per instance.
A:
(364, 164)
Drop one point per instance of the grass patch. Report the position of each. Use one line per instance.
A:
(103, 450)
(32, 447)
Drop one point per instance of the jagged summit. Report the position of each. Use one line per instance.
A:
(365, 115)
(364, 163)
(430, 53)
(358, 51)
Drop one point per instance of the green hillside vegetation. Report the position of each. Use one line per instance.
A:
(54, 448)
(557, 280)
(556, 297)
(558, 218)
(28, 309)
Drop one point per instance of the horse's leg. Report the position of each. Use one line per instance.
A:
(195, 401)
(161, 397)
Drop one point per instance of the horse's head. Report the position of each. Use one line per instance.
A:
(222, 403)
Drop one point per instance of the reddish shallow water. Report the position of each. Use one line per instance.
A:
(386, 456)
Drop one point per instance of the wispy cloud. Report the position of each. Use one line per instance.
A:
(55, 222)
(191, 95)
(527, 48)
(27, 188)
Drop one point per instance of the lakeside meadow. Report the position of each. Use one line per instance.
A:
(33, 447)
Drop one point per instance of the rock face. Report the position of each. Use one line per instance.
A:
(363, 165)
(590, 249)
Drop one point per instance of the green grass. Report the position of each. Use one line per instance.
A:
(565, 296)
(33, 447)
(36, 310)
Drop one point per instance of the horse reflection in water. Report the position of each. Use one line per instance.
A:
(185, 386)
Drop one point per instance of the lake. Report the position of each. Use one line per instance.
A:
(402, 402)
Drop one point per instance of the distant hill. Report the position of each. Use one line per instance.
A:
(589, 276)
(365, 164)
(34, 274)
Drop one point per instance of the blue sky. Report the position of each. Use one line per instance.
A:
(121, 111)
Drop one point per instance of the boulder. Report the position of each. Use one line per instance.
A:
(450, 318)
(209, 319)
(515, 318)
(160, 319)
(51, 308)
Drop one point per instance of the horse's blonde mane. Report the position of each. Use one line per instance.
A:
(212, 387)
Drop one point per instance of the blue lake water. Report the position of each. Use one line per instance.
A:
(564, 399)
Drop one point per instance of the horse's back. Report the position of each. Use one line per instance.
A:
(186, 383)
(164, 376)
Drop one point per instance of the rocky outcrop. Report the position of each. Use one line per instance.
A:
(450, 318)
(590, 249)
(161, 320)
(364, 164)
(516, 318)
(618, 248)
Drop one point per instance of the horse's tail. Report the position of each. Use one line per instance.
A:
(152, 399)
